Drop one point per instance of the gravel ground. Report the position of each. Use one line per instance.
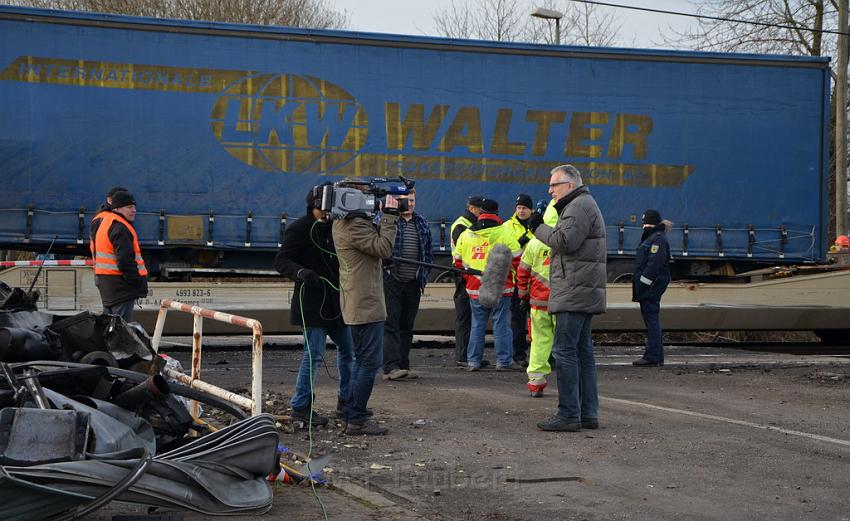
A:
(716, 434)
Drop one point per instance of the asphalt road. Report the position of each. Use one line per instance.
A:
(715, 434)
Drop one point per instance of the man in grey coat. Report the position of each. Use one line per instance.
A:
(577, 279)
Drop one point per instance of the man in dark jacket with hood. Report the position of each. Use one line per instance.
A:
(650, 280)
(307, 256)
(577, 279)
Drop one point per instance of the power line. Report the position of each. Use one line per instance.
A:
(707, 17)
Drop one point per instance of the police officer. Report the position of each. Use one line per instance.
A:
(651, 277)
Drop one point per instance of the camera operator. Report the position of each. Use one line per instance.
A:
(361, 246)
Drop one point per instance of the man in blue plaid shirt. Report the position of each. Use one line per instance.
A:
(403, 285)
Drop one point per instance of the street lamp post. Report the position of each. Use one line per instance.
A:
(550, 14)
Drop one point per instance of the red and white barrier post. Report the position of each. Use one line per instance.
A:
(254, 404)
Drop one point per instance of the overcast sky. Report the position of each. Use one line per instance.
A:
(639, 29)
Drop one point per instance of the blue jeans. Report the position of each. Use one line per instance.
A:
(501, 332)
(575, 366)
(650, 310)
(368, 354)
(315, 338)
(122, 309)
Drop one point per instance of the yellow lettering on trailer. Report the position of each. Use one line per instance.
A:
(400, 130)
(465, 131)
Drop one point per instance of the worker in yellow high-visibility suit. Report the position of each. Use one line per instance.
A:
(518, 226)
(533, 289)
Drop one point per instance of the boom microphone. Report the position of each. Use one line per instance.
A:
(495, 274)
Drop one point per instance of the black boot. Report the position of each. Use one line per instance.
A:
(558, 424)
(302, 414)
(340, 407)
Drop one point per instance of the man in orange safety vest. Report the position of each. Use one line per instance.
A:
(119, 269)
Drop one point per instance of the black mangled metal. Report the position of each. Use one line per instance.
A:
(35, 436)
(16, 299)
(89, 332)
(220, 474)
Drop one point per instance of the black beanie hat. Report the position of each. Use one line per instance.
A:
(525, 200)
(475, 200)
(651, 217)
(114, 190)
(490, 206)
(122, 198)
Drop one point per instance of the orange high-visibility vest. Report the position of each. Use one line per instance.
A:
(100, 215)
(105, 260)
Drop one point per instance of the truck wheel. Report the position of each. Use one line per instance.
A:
(620, 270)
(623, 278)
(446, 276)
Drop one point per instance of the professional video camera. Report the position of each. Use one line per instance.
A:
(341, 199)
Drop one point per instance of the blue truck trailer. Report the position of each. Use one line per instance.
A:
(219, 130)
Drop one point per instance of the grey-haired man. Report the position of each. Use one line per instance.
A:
(577, 281)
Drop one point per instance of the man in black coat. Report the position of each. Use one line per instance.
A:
(650, 280)
(307, 256)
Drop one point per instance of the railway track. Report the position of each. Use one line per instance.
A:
(293, 342)
(791, 348)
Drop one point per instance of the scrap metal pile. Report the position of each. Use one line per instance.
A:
(86, 417)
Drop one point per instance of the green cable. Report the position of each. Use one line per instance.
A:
(345, 264)
(312, 394)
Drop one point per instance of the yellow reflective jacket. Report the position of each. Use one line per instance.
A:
(473, 248)
(517, 229)
(460, 221)
(533, 274)
(533, 270)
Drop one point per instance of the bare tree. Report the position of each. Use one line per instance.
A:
(497, 20)
(587, 24)
(456, 21)
(295, 13)
(510, 20)
(772, 26)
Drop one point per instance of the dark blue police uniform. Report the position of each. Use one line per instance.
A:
(651, 277)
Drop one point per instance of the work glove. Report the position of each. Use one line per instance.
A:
(525, 306)
(523, 240)
(309, 277)
(534, 221)
(541, 206)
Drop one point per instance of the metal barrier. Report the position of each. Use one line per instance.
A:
(254, 404)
